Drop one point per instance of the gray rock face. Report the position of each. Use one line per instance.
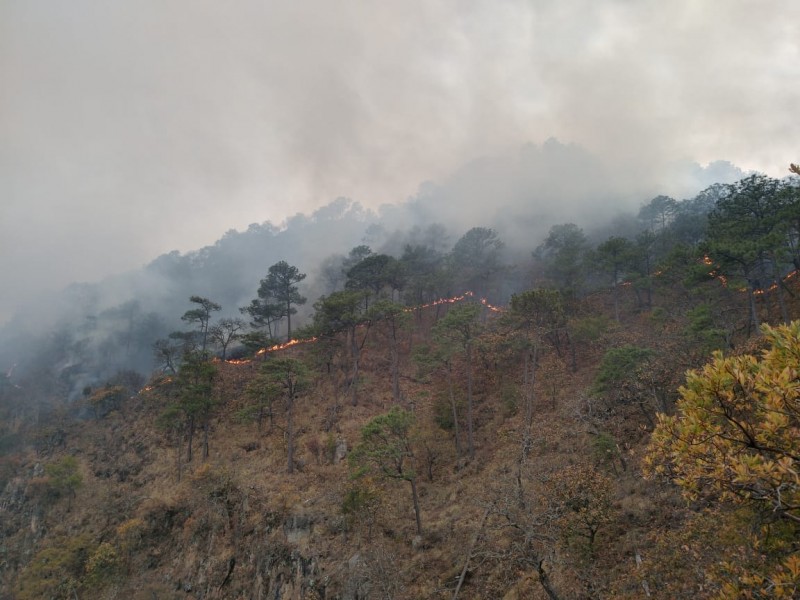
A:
(341, 451)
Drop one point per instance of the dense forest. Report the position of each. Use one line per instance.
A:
(581, 412)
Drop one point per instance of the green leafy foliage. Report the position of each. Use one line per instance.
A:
(103, 565)
(618, 364)
(56, 571)
(201, 317)
(735, 441)
(376, 273)
(279, 294)
(386, 449)
(703, 330)
(386, 445)
(339, 311)
(64, 473)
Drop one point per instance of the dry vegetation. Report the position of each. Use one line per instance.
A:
(569, 511)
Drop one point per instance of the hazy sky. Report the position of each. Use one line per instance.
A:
(128, 129)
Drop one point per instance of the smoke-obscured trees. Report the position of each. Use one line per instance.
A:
(226, 332)
(279, 289)
(263, 314)
(374, 275)
(476, 260)
(201, 317)
(564, 255)
(426, 274)
(611, 257)
(658, 213)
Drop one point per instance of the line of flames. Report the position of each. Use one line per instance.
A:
(297, 342)
(492, 307)
(441, 301)
(164, 381)
(285, 345)
(438, 302)
(758, 292)
(453, 300)
(706, 260)
(497, 309)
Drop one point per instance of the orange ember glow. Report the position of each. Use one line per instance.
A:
(491, 307)
(285, 345)
(441, 301)
(149, 388)
(496, 309)
(757, 292)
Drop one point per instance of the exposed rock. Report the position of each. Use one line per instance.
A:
(341, 451)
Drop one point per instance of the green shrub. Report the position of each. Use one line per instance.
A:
(619, 364)
(102, 566)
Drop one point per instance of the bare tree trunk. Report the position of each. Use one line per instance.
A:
(646, 414)
(288, 322)
(469, 553)
(190, 439)
(205, 439)
(455, 411)
(179, 455)
(572, 351)
(354, 352)
(354, 383)
(470, 437)
(544, 579)
(781, 300)
(530, 381)
(753, 312)
(413, 482)
(290, 434)
(395, 357)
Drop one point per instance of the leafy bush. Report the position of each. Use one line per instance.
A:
(735, 443)
(617, 365)
(102, 566)
(55, 572)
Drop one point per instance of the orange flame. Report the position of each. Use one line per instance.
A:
(149, 388)
(441, 301)
(285, 345)
(491, 307)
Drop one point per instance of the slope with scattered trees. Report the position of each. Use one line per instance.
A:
(543, 442)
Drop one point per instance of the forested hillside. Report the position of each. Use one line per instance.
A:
(593, 412)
